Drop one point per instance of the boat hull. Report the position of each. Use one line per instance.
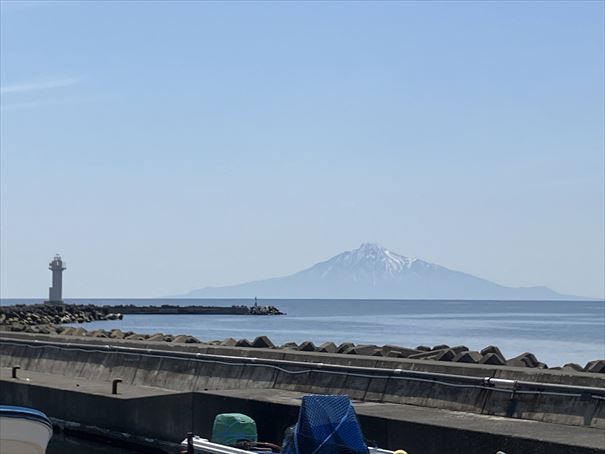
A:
(23, 431)
(204, 446)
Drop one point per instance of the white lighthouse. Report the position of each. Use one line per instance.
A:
(55, 293)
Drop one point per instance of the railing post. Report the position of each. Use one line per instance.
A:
(14, 371)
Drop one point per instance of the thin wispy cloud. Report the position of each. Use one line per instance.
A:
(37, 86)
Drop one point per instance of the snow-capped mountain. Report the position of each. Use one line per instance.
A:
(373, 272)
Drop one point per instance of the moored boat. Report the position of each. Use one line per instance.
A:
(326, 425)
(201, 445)
(24, 430)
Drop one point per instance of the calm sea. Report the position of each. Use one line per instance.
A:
(557, 332)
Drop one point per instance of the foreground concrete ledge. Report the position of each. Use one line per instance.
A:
(82, 385)
(167, 415)
(477, 370)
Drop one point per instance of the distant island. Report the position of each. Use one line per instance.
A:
(374, 272)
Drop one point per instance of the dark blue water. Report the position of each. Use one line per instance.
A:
(558, 332)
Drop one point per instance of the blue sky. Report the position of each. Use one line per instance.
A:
(162, 147)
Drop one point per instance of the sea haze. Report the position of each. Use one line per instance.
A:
(557, 332)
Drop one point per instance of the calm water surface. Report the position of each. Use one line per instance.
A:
(558, 332)
(62, 444)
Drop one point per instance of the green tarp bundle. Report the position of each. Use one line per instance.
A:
(230, 428)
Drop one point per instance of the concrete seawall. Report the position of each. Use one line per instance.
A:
(566, 377)
(394, 394)
(192, 369)
(156, 414)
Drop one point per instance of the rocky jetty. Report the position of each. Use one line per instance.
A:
(21, 316)
(264, 310)
(195, 309)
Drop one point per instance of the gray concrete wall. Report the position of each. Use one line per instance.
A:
(425, 439)
(191, 375)
(170, 417)
(478, 370)
(163, 417)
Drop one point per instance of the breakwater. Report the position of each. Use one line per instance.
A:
(196, 366)
(19, 317)
(420, 405)
(43, 318)
(195, 310)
